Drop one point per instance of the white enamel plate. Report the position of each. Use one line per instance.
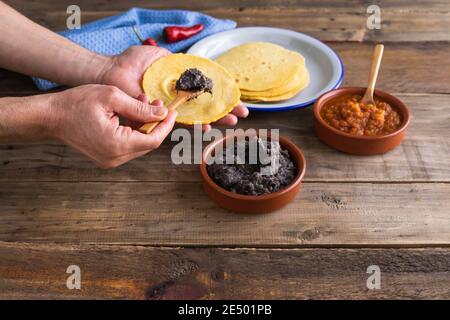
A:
(325, 66)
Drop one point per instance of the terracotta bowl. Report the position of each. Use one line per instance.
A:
(253, 204)
(359, 145)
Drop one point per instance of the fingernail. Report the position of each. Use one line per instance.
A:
(159, 111)
(246, 113)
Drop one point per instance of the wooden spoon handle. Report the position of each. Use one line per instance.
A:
(376, 61)
(180, 99)
(148, 127)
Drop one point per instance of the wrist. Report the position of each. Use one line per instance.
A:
(51, 115)
(105, 64)
(43, 118)
(94, 66)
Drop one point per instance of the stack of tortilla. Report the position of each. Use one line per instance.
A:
(265, 71)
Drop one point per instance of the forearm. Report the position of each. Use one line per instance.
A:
(27, 119)
(31, 49)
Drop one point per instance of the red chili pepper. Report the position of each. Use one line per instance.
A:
(177, 33)
(150, 42)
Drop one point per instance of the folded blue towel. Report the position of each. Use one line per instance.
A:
(113, 35)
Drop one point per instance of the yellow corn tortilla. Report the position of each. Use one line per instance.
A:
(159, 83)
(303, 83)
(261, 66)
(300, 81)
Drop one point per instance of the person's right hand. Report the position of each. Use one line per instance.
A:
(87, 118)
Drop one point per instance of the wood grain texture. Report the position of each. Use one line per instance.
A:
(179, 214)
(33, 271)
(310, 5)
(423, 156)
(57, 209)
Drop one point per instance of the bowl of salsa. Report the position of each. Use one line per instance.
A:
(345, 123)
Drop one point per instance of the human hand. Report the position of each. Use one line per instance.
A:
(87, 118)
(125, 72)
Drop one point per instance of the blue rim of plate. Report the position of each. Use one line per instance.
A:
(252, 107)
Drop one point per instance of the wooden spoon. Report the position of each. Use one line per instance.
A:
(182, 97)
(376, 61)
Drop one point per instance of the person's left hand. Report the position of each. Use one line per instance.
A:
(125, 72)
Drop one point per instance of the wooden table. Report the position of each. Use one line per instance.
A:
(147, 230)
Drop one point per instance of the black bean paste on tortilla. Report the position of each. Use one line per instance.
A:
(247, 178)
(194, 80)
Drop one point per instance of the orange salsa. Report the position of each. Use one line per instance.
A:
(349, 115)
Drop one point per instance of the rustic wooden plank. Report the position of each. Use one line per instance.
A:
(423, 156)
(417, 26)
(30, 271)
(313, 5)
(407, 68)
(324, 214)
(327, 25)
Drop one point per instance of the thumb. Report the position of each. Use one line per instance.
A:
(136, 110)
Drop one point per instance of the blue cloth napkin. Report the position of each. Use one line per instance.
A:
(113, 35)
